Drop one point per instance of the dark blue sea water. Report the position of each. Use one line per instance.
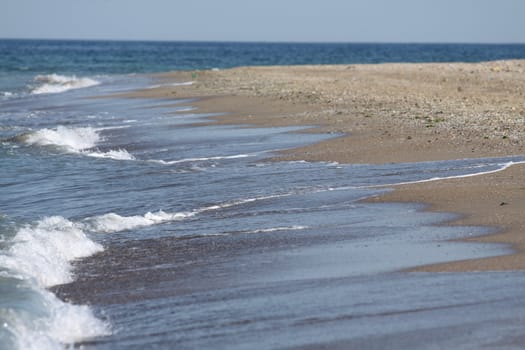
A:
(124, 224)
(29, 58)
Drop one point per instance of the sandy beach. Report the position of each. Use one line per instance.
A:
(391, 113)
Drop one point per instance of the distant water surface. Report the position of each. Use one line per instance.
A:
(28, 58)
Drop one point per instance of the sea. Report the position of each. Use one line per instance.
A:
(138, 224)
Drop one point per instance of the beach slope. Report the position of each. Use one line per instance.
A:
(391, 113)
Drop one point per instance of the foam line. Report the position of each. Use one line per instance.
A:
(282, 228)
(186, 83)
(202, 159)
(239, 202)
(119, 154)
(112, 222)
(504, 167)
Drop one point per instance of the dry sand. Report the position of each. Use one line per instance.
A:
(392, 113)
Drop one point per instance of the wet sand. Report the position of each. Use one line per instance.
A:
(392, 113)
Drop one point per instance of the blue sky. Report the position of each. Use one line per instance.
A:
(484, 21)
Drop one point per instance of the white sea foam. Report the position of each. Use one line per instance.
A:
(43, 251)
(76, 140)
(186, 83)
(502, 167)
(114, 127)
(201, 159)
(185, 109)
(73, 323)
(281, 228)
(73, 139)
(53, 325)
(120, 154)
(54, 83)
(235, 203)
(110, 223)
(40, 256)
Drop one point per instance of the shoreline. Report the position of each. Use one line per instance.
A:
(492, 200)
(391, 113)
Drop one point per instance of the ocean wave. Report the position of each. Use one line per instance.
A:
(72, 139)
(47, 323)
(54, 83)
(37, 257)
(81, 140)
(84, 140)
(40, 255)
(43, 251)
(111, 223)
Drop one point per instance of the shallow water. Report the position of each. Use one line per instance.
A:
(195, 213)
(178, 235)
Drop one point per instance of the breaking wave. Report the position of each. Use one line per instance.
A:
(54, 83)
(37, 257)
(76, 140)
(110, 223)
(43, 251)
(40, 255)
(72, 139)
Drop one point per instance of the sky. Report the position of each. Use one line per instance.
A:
(444, 21)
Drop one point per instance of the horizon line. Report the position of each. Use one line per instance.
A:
(364, 42)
